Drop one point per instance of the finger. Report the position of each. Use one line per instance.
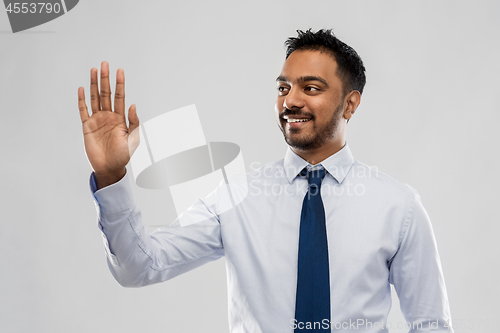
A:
(120, 93)
(82, 107)
(105, 88)
(95, 103)
(132, 118)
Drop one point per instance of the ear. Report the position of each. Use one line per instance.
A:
(351, 103)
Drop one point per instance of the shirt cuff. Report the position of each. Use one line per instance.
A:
(115, 198)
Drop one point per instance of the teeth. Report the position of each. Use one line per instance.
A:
(297, 120)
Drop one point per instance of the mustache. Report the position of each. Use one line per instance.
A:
(296, 112)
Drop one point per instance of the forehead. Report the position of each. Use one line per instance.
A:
(310, 63)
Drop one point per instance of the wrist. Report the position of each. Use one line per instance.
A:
(104, 179)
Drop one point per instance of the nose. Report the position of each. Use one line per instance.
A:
(293, 99)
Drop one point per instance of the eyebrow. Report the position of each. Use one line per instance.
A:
(303, 79)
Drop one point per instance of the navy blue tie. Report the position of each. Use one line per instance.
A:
(312, 304)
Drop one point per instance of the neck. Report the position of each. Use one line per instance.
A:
(318, 155)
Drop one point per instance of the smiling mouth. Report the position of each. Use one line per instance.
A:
(296, 120)
(295, 124)
(291, 119)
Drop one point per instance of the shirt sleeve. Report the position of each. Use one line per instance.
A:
(137, 258)
(416, 273)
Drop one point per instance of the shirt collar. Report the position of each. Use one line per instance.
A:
(337, 165)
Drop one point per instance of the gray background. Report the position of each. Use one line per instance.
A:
(429, 117)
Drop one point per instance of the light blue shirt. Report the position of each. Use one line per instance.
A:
(378, 233)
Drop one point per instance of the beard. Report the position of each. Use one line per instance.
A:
(318, 137)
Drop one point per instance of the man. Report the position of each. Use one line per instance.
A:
(318, 239)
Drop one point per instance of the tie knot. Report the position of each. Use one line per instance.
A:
(314, 177)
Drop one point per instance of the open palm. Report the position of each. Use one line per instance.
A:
(106, 134)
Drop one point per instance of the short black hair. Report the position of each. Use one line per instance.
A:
(350, 66)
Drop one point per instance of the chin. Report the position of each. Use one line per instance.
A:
(303, 144)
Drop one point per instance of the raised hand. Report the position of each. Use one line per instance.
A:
(109, 142)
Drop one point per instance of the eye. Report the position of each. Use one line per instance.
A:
(311, 88)
(282, 90)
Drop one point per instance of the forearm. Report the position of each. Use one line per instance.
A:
(137, 258)
(127, 261)
(124, 235)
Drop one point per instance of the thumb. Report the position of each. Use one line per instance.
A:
(133, 130)
(132, 118)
